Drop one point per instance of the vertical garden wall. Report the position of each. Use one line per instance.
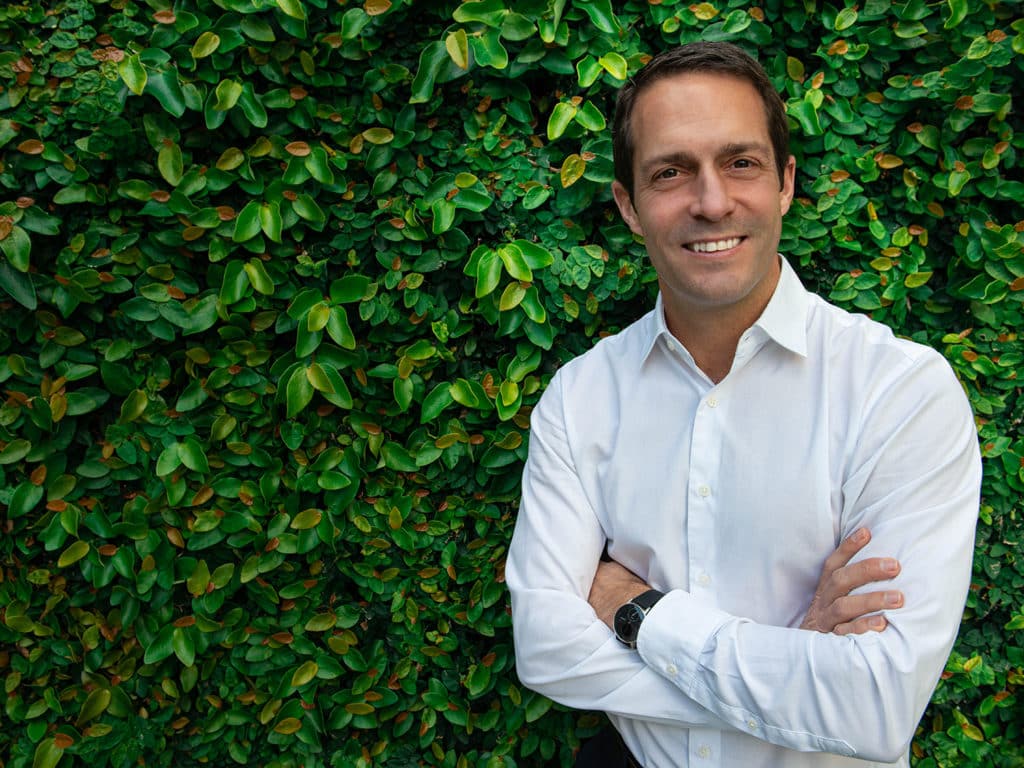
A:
(281, 280)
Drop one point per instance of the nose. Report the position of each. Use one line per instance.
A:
(712, 199)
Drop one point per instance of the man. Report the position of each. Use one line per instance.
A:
(787, 491)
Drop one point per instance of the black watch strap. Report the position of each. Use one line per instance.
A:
(648, 599)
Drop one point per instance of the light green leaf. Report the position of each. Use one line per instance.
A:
(293, 8)
(614, 65)
(227, 94)
(457, 45)
(561, 116)
(133, 73)
(205, 45)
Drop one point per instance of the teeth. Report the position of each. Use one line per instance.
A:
(712, 246)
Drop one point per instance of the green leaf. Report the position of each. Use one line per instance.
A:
(205, 45)
(133, 406)
(234, 284)
(47, 754)
(193, 456)
(432, 57)
(183, 645)
(298, 392)
(338, 328)
(170, 163)
(227, 93)
(133, 73)
(199, 580)
(75, 552)
(439, 398)
(258, 276)
(615, 65)
(95, 704)
(573, 168)
(397, 458)
(489, 12)
(488, 273)
(18, 285)
(349, 288)
(25, 499)
(917, 279)
(15, 450)
(306, 672)
(457, 45)
(515, 263)
(247, 223)
(561, 116)
(353, 23)
(169, 460)
(270, 220)
(165, 87)
(602, 15)
(846, 19)
(292, 8)
(488, 50)
(511, 297)
(806, 115)
(16, 247)
(590, 117)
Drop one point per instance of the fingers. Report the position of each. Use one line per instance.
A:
(854, 614)
(849, 547)
(862, 625)
(873, 569)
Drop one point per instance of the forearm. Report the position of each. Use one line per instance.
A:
(566, 653)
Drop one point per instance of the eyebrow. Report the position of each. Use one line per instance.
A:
(726, 150)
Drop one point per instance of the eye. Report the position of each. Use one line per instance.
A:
(668, 173)
(743, 163)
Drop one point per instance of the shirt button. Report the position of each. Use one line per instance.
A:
(704, 580)
(704, 491)
(712, 402)
(752, 724)
(704, 752)
(671, 670)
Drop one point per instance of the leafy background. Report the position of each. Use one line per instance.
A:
(281, 280)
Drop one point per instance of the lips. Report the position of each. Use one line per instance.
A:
(713, 246)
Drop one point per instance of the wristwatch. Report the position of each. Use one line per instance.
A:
(630, 616)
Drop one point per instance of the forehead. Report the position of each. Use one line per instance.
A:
(696, 111)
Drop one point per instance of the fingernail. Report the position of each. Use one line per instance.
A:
(860, 535)
(893, 599)
(889, 565)
(876, 622)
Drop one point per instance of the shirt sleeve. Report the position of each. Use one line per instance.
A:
(913, 478)
(563, 650)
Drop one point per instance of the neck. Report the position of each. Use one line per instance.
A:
(711, 333)
(711, 341)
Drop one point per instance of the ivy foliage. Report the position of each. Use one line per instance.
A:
(281, 280)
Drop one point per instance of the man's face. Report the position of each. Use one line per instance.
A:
(707, 200)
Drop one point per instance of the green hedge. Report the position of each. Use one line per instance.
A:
(281, 280)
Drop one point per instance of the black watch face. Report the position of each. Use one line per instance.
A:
(627, 622)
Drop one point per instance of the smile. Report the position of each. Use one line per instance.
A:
(714, 246)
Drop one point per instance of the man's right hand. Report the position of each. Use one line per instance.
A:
(834, 609)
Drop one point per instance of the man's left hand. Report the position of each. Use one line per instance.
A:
(614, 585)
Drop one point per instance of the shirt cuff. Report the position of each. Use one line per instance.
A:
(675, 633)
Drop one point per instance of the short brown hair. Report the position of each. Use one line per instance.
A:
(717, 58)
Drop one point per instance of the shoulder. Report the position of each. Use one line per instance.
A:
(621, 354)
(868, 361)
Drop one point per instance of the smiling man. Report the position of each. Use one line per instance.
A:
(747, 520)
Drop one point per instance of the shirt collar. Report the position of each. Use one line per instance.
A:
(784, 320)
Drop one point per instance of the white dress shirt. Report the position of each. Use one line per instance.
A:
(729, 497)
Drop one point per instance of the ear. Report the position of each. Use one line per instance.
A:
(626, 208)
(788, 185)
